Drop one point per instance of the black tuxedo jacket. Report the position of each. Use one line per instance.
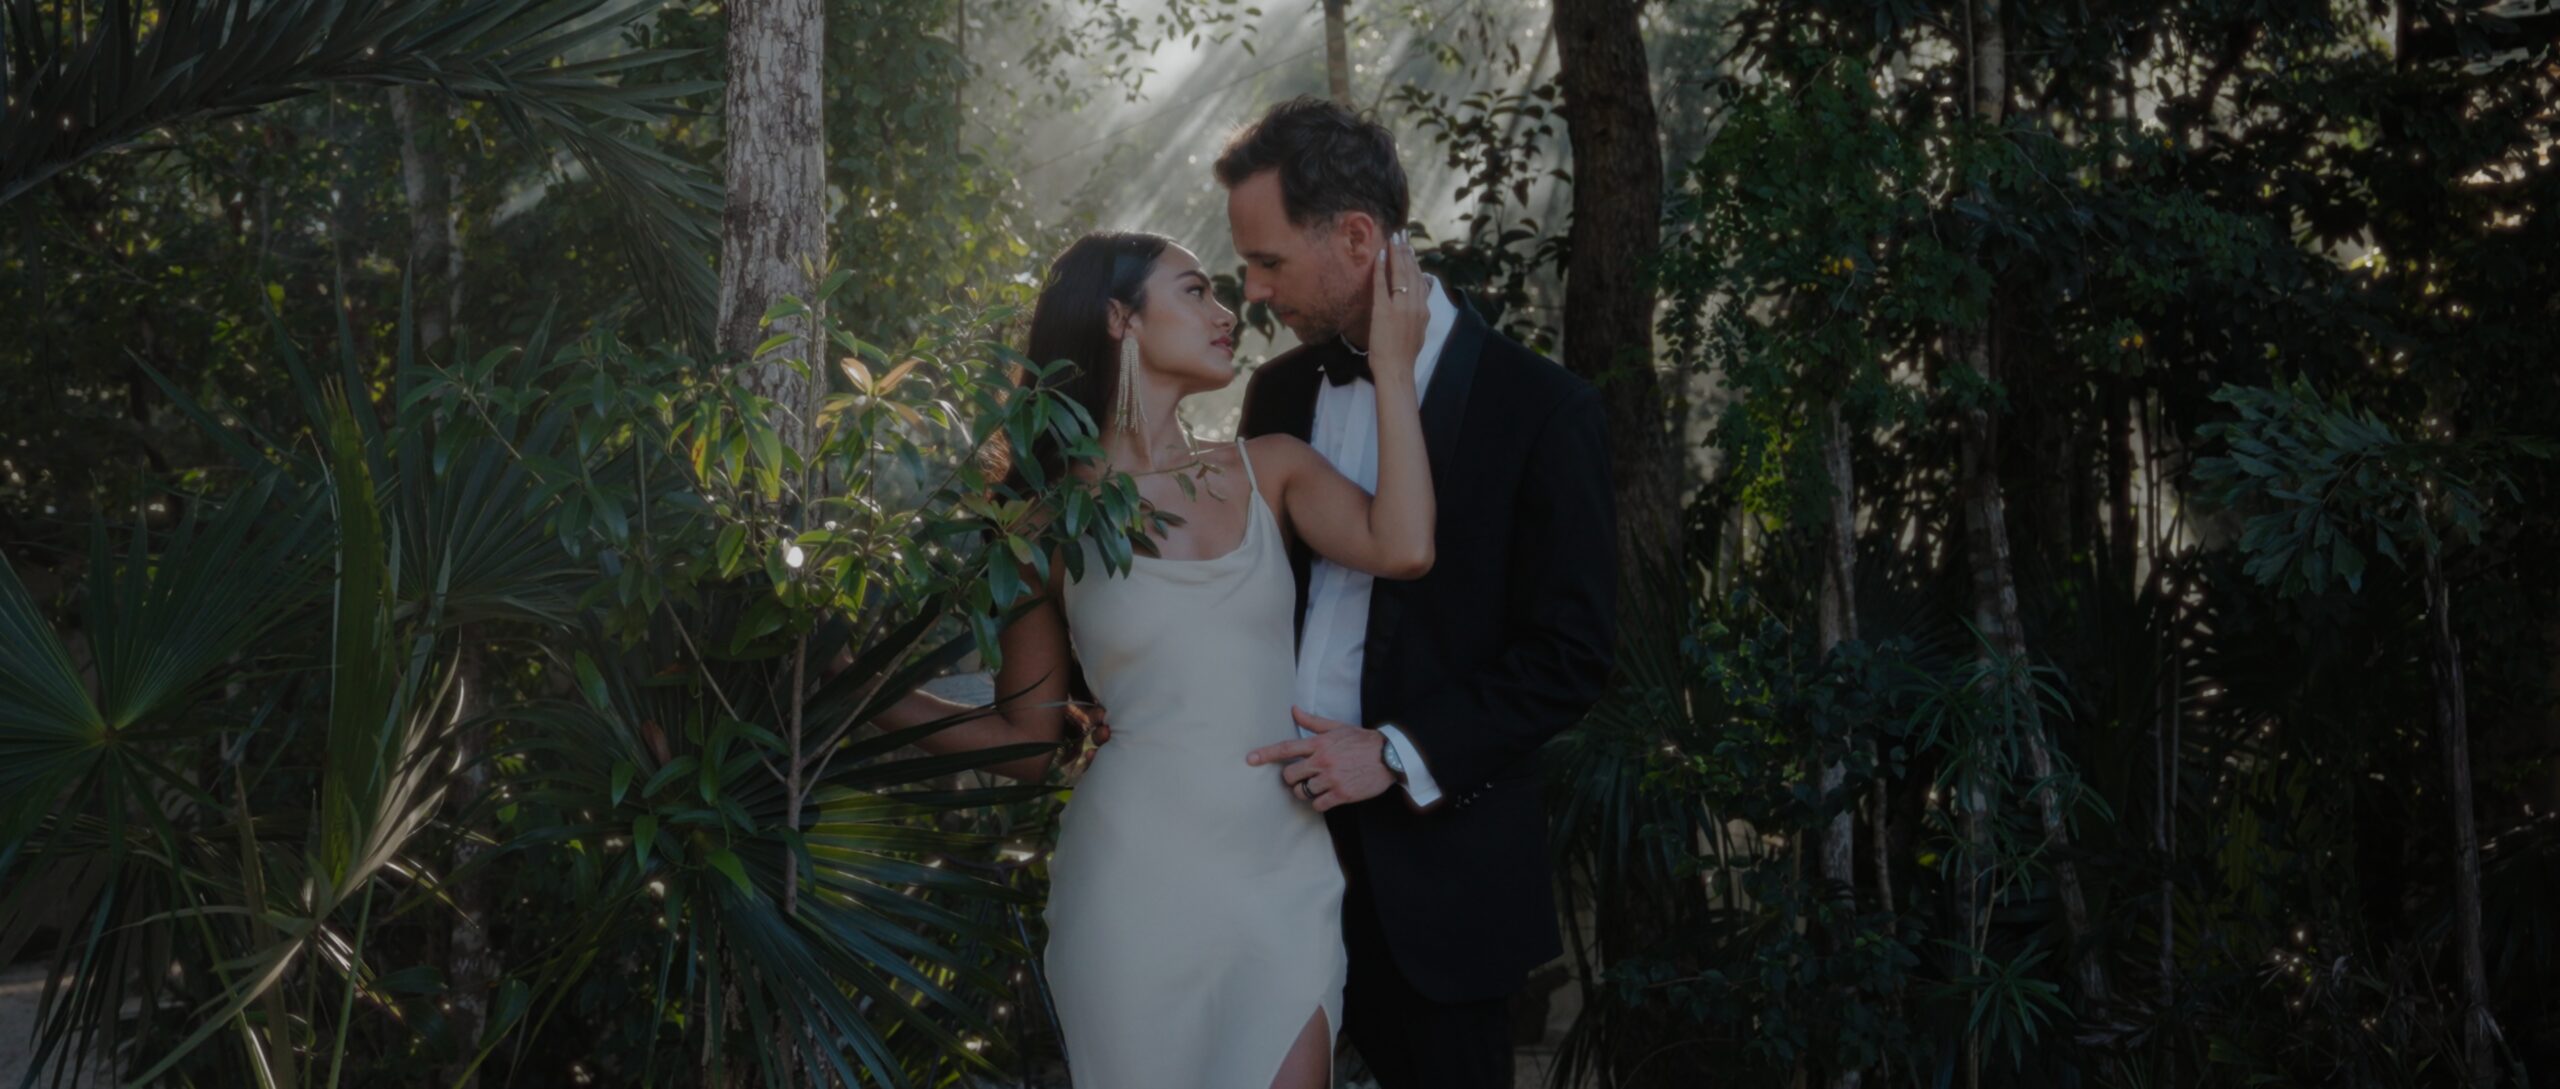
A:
(1504, 643)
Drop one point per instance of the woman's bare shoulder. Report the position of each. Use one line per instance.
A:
(1278, 451)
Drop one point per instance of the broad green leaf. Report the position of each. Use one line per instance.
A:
(727, 863)
(591, 683)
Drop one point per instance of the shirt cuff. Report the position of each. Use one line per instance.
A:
(1418, 784)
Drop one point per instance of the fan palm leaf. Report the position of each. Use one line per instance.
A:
(159, 628)
(88, 77)
(129, 788)
(869, 974)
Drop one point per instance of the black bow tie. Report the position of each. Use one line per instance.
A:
(1341, 365)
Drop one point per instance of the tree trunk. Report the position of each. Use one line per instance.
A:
(470, 969)
(2479, 1027)
(2546, 794)
(1839, 624)
(2123, 550)
(1337, 51)
(2167, 745)
(1608, 297)
(772, 230)
(1994, 579)
(772, 243)
(431, 181)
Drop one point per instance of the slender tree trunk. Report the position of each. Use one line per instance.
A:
(2165, 830)
(429, 176)
(1608, 299)
(346, 210)
(1839, 617)
(2124, 552)
(772, 231)
(772, 241)
(1995, 587)
(469, 966)
(2547, 792)
(1337, 51)
(2479, 1027)
(2156, 535)
(1973, 794)
(1839, 624)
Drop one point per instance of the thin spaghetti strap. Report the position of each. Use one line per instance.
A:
(1248, 466)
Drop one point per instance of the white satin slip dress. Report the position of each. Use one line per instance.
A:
(1195, 907)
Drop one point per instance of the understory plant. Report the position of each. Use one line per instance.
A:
(505, 720)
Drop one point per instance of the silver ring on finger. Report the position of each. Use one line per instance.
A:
(1400, 290)
(1305, 791)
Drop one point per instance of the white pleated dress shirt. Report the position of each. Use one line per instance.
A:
(1337, 627)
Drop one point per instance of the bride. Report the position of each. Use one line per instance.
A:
(1195, 908)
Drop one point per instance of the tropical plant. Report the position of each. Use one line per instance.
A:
(201, 775)
(97, 79)
(1979, 271)
(2336, 478)
(222, 892)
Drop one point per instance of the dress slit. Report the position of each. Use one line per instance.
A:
(1320, 1018)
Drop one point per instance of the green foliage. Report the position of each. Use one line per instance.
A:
(604, 574)
(2266, 293)
(2192, 218)
(592, 507)
(1494, 140)
(89, 81)
(1724, 732)
(126, 781)
(1757, 949)
(2337, 477)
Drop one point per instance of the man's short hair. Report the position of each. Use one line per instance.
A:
(1331, 160)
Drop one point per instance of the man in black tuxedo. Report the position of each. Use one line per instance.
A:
(1423, 704)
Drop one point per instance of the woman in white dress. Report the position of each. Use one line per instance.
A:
(1195, 906)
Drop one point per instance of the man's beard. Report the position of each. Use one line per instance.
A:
(1321, 326)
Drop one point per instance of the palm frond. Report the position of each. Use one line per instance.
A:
(159, 626)
(105, 75)
(882, 968)
(129, 790)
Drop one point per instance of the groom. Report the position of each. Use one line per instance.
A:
(1458, 676)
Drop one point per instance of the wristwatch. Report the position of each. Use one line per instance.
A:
(1394, 759)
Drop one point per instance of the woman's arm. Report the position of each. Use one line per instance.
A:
(1033, 673)
(1390, 535)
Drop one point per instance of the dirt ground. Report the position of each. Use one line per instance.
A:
(20, 989)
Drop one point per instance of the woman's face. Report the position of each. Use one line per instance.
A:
(1184, 334)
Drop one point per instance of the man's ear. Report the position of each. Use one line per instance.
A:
(1359, 236)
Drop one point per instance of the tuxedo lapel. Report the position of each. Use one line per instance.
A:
(1444, 404)
(1282, 400)
(1444, 413)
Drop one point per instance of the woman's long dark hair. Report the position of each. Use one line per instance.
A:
(1072, 321)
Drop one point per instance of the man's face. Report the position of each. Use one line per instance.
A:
(1315, 279)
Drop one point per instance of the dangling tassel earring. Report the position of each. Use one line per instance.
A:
(1126, 408)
